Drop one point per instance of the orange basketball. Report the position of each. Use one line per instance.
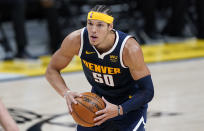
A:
(84, 111)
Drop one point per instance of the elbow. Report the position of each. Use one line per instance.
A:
(150, 94)
(48, 73)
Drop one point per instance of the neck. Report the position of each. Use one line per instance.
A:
(107, 43)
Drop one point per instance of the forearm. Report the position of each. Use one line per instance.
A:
(141, 97)
(6, 120)
(55, 79)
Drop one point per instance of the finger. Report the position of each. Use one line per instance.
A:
(68, 103)
(100, 112)
(76, 94)
(105, 100)
(79, 94)
(99, 117)
(74, 101)
(70, 107)
(69, 110)
(100, 122)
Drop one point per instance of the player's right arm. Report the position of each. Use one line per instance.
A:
(61, 58)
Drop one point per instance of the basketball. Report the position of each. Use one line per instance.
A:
(84, 111)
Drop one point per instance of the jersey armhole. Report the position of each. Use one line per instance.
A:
(121, 51)
(82, 42)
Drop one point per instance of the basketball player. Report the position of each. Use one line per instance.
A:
(113, 64)
(6, 120)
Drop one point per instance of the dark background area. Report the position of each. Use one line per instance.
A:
(150, 21)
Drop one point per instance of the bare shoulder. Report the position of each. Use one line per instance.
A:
(132, 48)
(71, 43)
(134, 60)
(74, 36)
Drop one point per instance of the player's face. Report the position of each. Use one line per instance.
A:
(98, 31)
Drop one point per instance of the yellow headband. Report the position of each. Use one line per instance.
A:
(92, 15)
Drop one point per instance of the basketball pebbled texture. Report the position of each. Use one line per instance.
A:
(84, 111)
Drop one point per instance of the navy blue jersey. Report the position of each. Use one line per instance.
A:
(106, 72)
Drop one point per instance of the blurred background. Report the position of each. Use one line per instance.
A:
(32, 28)
(171, 34)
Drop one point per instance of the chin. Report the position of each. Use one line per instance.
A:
(93, 43)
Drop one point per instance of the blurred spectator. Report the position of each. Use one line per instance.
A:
(16, 11)
(52, 18)
(6, 120)
(200, 18)
(176, 22)
(4, 41)
(149, 8)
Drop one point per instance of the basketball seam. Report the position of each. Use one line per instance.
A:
(94, 99)
(81, 118)
(85, 106)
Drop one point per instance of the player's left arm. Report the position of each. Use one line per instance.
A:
(134, 60)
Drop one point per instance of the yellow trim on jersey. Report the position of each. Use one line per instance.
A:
(92, 15)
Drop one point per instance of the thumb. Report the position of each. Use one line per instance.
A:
(77, 94)
(105, 100)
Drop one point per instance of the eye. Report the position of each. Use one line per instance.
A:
(89, 23)
(100, 25)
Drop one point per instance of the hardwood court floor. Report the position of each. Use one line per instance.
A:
(178, 104)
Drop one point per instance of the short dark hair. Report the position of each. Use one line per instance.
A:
(103, 9)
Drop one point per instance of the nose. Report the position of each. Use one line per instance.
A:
(93, 29)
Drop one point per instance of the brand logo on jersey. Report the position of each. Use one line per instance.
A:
(113, 58)
(88, 52)
(101, 69)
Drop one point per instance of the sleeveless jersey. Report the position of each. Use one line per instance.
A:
(106, 72)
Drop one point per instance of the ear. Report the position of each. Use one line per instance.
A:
(110, 26)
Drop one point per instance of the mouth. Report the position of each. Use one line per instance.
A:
(93, 38)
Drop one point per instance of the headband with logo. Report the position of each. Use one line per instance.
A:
(92, 15)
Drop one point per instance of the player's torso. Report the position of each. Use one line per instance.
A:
(105, 72)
